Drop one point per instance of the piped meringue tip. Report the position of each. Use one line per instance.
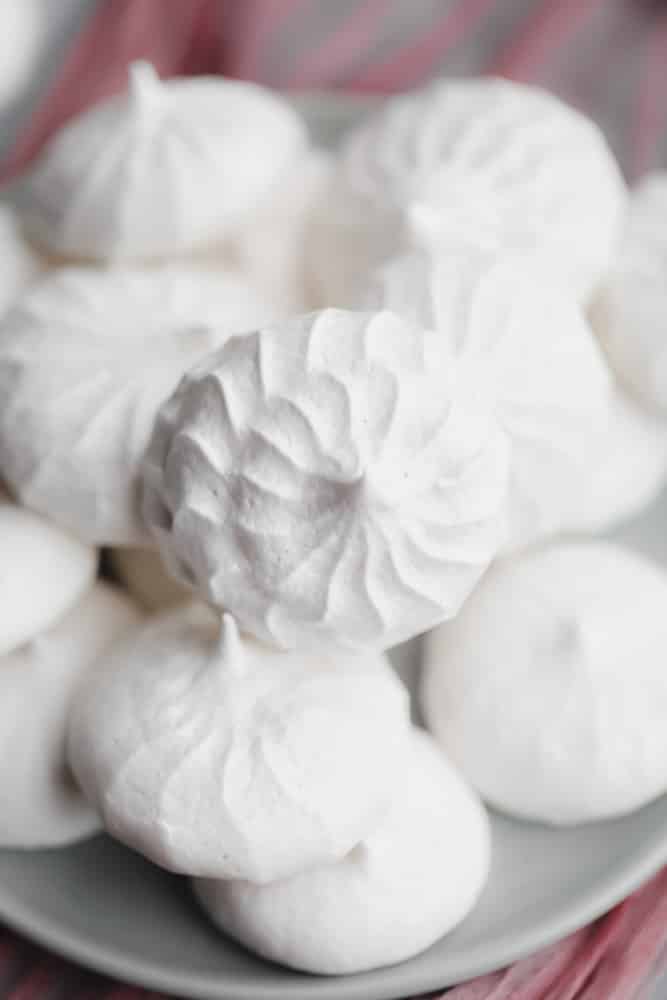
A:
(229, 642)
(144, 84)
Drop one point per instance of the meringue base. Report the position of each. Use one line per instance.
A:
(411, 881)
(40, 805)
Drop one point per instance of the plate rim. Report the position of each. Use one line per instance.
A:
(384, 983)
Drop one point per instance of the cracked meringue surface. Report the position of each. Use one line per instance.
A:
(524, 345)
(167, 168)
(215, 755)
(548, 690)
(40, 804)
(86, 359)
(484, 161)
(427, 859)
(43, 573)
(631, 311)
(322, 480)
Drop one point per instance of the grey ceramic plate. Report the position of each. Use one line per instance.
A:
(103, 906)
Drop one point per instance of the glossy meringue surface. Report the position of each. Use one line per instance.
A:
(86, 358)
(487, 161)
(166, 168)
(415, 877)
(40, 805)
(523, 345)
(322, 481)
(214, 755)
(548, 690)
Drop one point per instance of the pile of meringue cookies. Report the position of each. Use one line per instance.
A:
(314, 404)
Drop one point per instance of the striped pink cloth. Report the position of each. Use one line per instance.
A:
(608, 57)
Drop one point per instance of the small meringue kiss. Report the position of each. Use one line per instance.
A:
(165, 169)
(321, 480)
(413, 879)
(86, 359)
(549, 689)
(217, 756)
(40, 805)
(43, 573)
(524, 345)
(487, 161)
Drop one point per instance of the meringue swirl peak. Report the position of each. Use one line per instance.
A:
(323, 481)
(168, 168)
(215, 755)
(144, 87)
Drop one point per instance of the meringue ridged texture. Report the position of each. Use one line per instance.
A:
(483, 161)
(631, 310)
(525, 349)
(164, 169)
(217, 756)
(44, 572)
(413, 879)
(548, 690)
(86, 359)
(320, 480)
(40, 805)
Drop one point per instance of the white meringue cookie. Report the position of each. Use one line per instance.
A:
(86, 358)
(627, 469)
(43, 573)
(413, 879)
(320, 481)
(40, 806)
(19, 266)
(142, 573)
(22, 32)
(214, 755)
(164, 169)
(548, 691)
(526, 346)
(271, 248)
(631, 312)
(485, 161)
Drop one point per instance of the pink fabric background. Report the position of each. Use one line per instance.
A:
(607, 56)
